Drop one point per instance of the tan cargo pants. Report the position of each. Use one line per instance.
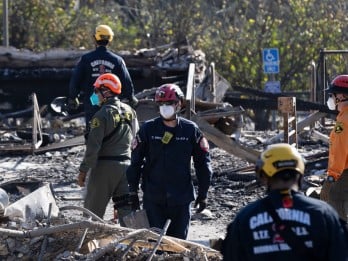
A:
(336, 194)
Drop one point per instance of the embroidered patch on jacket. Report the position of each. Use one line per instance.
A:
(204, 144)
(95, 123)
(338, 127)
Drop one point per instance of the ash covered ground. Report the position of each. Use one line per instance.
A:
(233, 184)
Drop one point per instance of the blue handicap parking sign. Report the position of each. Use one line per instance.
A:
(270, 58)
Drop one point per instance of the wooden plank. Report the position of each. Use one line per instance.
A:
(224, 142)
(300, 126)
(79, 140)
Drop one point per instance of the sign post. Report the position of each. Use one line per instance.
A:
(270, 58)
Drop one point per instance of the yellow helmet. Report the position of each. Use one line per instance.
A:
(103, 32)
(278, 157)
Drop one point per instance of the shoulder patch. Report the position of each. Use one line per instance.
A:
(338, 127)
(204, 144)
(95, 123)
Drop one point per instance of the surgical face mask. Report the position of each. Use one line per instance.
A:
(94, 99)
(331, 104)
(167, 111)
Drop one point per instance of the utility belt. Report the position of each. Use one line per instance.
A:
(115, 158)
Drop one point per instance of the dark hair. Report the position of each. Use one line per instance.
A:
(103, 42)
(106, 92)
(287, 175)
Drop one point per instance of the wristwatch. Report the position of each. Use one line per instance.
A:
(330, 179)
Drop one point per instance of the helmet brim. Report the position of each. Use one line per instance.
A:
(335, 89)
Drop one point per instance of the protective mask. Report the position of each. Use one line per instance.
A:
(331, 104)
(94, 99)
(167, 111)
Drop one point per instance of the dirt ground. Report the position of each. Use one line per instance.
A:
(233, 183)
(60, 168)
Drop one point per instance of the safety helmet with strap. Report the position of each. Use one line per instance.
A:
(109, 81)
(339, 84)
(168, 92)
(103, 33)
(279, 157)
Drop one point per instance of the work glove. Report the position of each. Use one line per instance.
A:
(73, 104)
(134, 201)
(201, 204)
(133, 102)
(81, 179)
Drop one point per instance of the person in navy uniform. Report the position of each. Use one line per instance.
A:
(285, 225)
(95, 63)
(161, 158)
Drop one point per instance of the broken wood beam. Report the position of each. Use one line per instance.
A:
(300, 126)
(63, 228)
(76, 141)
(316, 135)
(139, 234)
(224, 142)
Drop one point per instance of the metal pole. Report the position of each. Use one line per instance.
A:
(274, 122)
(5, 23)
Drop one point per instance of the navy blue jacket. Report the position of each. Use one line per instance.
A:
(251, 235)
(166, 170)
(90, 67)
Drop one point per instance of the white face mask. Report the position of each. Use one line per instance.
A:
(167, 111)
(331, 104)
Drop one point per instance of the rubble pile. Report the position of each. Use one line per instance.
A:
(65, 238)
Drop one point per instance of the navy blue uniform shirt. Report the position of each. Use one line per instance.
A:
(90, 67)
(251, 235)
(166, 174)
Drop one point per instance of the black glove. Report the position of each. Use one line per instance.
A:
(73, 104)
(133, 102)
(201, 203)
(134, 201)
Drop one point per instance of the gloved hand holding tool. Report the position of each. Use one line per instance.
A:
(134, 201)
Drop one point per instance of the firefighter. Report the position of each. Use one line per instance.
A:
(161, 159)
(285, 225)
(335, 187)
(91, 66)
(108, 150)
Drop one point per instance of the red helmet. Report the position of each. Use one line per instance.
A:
(339, 84)
(168, 92)
(110, 81)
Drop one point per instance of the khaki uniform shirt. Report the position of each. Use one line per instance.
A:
(112, 129)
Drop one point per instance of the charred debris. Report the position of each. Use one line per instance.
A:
(31, 124)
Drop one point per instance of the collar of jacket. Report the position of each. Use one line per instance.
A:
(111, 100)
(101, 48)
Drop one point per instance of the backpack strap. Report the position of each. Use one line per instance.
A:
(121, 111)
